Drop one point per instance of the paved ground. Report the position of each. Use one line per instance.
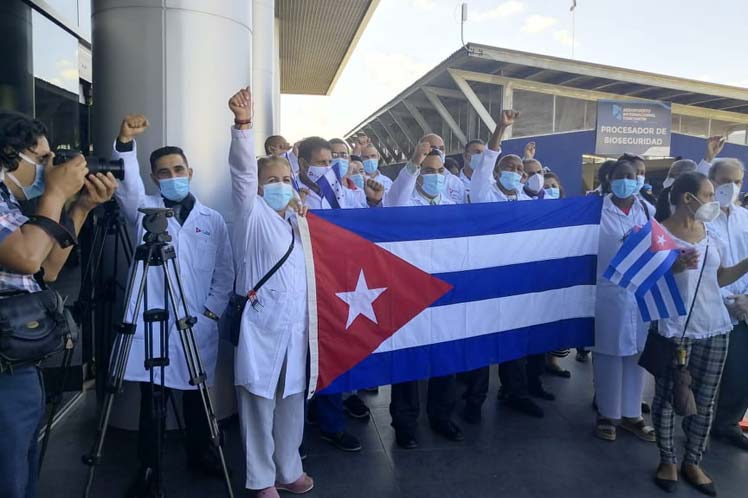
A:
(507, 455)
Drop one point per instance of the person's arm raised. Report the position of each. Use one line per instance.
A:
(130, 194)
(402, 188)
(242, 160)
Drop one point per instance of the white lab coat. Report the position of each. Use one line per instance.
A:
(483, 187)
(349, 199)
(383, 180)
(619, 329)
(277, 331)
(732, 229)
(404, 192)
(455, 189)
(205, 264)
(465, 183)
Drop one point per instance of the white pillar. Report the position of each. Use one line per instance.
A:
(264, 55)
(178, 62)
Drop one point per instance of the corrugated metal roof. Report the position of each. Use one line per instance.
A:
(316, 40)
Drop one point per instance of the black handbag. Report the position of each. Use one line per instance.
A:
(33, 327)
(662, 354)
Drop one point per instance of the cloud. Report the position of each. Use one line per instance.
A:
(537, 23)
(423, 4)
(505, 9)
(564, 37)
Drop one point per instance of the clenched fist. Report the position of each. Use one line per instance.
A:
(509, 117)
(132, 126)
(419, 154)
(374, 191)
(241, 104)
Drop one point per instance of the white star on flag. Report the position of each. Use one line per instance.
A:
(360, 301)
(661, 240)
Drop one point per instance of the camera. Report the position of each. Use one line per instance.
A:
(95, 164)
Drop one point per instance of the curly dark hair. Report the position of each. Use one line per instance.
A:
(17, 132)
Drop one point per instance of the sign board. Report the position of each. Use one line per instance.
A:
(636, 127)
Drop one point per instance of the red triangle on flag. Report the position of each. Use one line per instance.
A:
(354, 317)
(661, 239)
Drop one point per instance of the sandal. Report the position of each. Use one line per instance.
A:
(605, 429)
(558, 372)
(640, 429)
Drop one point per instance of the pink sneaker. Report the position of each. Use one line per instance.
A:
(300, 486)
(270, 492)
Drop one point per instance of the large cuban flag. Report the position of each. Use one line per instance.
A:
(400, 294)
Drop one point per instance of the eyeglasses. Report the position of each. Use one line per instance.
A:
(340, 155)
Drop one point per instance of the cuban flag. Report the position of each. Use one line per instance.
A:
(400, 294)
(642, 265)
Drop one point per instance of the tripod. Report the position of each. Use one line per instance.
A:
(156, 251)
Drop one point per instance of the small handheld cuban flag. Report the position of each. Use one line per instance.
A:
(642, 266)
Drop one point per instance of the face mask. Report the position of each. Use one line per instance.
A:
(475, 161)
(510, 180)
(371, 165)
(442, 155)
(36, 188)
(552, 193)
(341, 165)
(534, 183)
(707, 212)
(317, 172)
(726, 194)
(277, 195)
(639, 182)
(623, 188)
(433, 184)
(668, 182)
(175, 189)
(358, 180)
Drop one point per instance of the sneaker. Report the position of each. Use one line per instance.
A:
(639, 428)
(342, 441)
(302, 485)
(356, 408)
(525, 406)
(448, 429)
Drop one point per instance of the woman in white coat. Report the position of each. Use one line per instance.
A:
(270, 359)
(620, 333)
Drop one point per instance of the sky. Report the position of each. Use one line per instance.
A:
(406, 38)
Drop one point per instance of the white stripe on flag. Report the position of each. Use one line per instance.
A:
(646, 271)
(439, 324)
(488, 251)
(631, 258)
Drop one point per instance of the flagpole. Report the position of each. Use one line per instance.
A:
(573, 30)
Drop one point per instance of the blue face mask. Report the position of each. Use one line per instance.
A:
(371, 165)
(175, 189)
(341, 165)
(623, 188)
(475, 161)
(552, 193)
(358, 180)
(434, 184)
(277, 195)
(36, 188)
(510, 180)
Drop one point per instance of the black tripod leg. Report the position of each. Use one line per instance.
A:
(67, 357)
(194, 364)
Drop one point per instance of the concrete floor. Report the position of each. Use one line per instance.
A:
(507, 455)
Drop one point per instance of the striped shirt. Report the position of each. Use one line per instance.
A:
(11, 220)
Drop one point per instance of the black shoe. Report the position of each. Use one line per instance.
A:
(207, 463)
(582, 356)
(707, 489)
(143, 485)
(526, 406)
(472, 413)
(735, 438)
(406, 440)
(667, 485)
(448, 429)
(356, 408)
(646, 409)
(541, 393)
(342, 441)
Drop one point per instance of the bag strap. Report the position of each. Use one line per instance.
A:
(252, 294)
(695, 292)
(644, 207)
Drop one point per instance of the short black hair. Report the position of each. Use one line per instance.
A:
(17, 132)
(166, 151)
(310, 145)
(449, 163)
(687, 183)
(473, 142)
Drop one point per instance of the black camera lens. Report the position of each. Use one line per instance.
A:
(95, 164)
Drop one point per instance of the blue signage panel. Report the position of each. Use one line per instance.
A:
(636, 127)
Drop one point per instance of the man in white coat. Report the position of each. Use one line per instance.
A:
(200, 239)
(370, 157)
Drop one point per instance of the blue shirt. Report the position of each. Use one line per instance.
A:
(11, 220)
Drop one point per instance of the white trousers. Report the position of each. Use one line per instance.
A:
(272, 430)
(619, 383)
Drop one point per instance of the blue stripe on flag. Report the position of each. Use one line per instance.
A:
(661, 269)
(524, 278)
(441, 222)
(634, 269)
(327, 192)
(633, 240)
(643, 309)
(662, 310)
(680, 307)
(465, 354)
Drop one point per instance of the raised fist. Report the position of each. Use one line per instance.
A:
(530, 150)
(241, 104)
(421, 151)
(714, 146)
(132, 126)
(508, 117)
(374, 191)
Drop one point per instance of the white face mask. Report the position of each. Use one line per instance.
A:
(317, 172)
(668, 182)
(707, 212)
(726, 194)
(535, 183)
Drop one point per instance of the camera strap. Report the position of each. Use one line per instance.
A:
(252, 294)
(60, 233)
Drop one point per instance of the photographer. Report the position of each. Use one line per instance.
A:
(200, 239)
(28, 250)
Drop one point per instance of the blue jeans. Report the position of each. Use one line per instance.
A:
(330, 414)
(21, 411)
